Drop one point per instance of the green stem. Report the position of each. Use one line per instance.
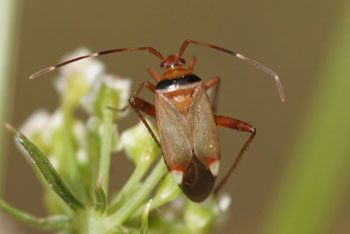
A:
(69, 155)
(314, 187)
(140, 210)
(167, 191)
(8, 17)
(94, 148)
(105, 157)
(71, 170)
(141, 195)
(144, 219)
(155, 204)
(52, 222)
(133, 180)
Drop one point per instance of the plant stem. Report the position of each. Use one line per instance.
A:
(141, 195)
(52, 222)
(133, 180)
(8, 19)
(69, 156)
(155, 205)
(105, 157)
(315, 184)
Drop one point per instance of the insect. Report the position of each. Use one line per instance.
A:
(187, 126)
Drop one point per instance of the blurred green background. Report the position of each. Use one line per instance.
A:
(295, 176)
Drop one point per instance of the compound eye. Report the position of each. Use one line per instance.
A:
(182, 61)
(163, 64)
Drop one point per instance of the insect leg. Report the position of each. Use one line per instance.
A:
(139, 105)
(154, 74)
(236, 124)
(212, 93)
(146, 84)
(192, 64)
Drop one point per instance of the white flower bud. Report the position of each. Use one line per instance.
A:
(89, 69)
(111, 86)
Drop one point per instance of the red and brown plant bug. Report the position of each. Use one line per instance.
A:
(185, 119)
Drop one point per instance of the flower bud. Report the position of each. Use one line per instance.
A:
(33, 127)
(107, 91)
(199, 218)
(167, 190)
(76, 79)
(139, 144)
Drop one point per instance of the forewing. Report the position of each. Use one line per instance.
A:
(204, 131)
(173, 132)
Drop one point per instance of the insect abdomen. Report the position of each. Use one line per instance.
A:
(197, 181)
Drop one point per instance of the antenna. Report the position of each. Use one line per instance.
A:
(48, 69)
(240, 56)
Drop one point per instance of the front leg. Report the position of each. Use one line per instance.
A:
(139, 105)
(236, 124)
(146, 84)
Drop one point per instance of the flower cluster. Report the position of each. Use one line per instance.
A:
(73, 164)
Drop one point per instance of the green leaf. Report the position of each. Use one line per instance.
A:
(100, 197)
(51, 222)
(48, 171)
(144, 220)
